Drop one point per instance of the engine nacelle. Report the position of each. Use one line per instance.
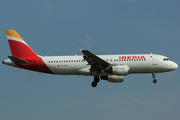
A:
(118, 70)
(113, 78)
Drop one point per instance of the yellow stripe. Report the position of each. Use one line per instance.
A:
(13, 33)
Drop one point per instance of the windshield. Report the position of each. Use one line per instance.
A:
(166, 59)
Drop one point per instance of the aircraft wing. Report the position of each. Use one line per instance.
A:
(94, 60)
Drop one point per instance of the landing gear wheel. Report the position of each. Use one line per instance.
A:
(154, 76)
(94, 84)
(96, 80)
(154, 81)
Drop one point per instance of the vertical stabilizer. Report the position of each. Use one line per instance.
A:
(19, 48)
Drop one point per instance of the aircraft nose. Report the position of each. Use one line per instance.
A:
(174, 65)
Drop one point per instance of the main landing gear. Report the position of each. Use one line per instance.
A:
(154, 80)
(96, 80)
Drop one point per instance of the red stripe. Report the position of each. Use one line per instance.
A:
(35, 64)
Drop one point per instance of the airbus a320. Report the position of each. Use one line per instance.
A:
(112, 68)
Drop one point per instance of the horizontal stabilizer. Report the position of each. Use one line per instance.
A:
(16, 60)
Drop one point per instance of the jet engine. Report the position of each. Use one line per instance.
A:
(118, 70)
(113, 78)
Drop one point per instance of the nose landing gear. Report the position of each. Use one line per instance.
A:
(154, 76)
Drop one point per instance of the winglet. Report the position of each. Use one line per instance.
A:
(80, 50)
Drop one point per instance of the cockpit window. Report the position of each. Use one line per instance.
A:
(166, 59)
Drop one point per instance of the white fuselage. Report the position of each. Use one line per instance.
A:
(70, 65)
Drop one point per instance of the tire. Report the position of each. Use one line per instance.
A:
(154, 81)
(94, 84)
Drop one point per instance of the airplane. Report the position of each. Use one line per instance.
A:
(111, 68)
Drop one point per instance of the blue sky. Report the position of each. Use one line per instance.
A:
(59, 27)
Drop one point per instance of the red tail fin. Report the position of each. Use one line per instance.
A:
(23, 56)
(19, 48)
